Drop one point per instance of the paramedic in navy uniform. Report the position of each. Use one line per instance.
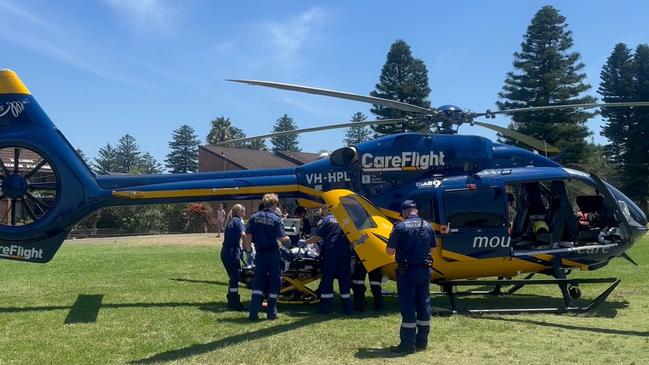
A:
(265, 228)
(234, 232)
(411, 240)
(336, 255)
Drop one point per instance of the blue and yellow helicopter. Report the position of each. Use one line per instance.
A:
(500, 211)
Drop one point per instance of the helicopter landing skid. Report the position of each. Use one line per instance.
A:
(568, 296)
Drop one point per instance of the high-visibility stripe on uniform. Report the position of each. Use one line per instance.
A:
(257, 292)
(272, 296)
(234, 290)
(375, 283)
(345, 296)
(423, 323)
(326, 296)
(358, 282)
(409, 325)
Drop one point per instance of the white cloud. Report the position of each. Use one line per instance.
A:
(288, 38)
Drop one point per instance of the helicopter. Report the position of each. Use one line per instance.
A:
(498, 210)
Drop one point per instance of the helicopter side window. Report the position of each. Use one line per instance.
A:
(359, 216)
(483, 208)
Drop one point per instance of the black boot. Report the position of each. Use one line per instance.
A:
(379, 305)
(234, 302)
(359, 297)
(421, 340)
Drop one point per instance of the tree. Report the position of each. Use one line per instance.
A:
(640, 129)
(183, 154)
(356, 135)
(147, 165)
(625, 77)
(223, 130)
(257, 144)
(287, 142)
(106, 161)
(617, 86)
(403, 78)
(547, 72)
(127, 154)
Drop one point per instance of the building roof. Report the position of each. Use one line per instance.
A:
(26, 162)
(300, 158)
(255, 159)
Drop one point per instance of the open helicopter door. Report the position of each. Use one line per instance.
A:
(365, 226)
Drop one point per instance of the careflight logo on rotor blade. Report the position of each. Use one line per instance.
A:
(406, 161)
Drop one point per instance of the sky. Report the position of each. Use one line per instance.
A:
(105, 68)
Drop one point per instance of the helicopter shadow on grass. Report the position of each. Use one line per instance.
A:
(571, 327)
(304, 312)
(198, 281)
(86, 307)
(608, 309)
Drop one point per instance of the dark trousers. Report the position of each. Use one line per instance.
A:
(267, 276)
(413, 287)
(358, 286)
(335, 266)
(230, 256)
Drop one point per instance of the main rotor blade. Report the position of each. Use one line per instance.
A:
(314, 129)
(537, 144)
(339, 94)
(568, 106)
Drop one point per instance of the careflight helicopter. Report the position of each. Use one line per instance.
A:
(499, 211)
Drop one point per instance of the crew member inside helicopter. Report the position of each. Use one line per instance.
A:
(545, 219)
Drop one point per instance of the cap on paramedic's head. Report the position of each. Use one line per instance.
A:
(407, 204)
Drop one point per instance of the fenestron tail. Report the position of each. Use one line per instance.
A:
(45, 187)
(42, 179)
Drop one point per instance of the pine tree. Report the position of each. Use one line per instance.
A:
(83, 156)
(640, 129)
(183, 154)
(403, 78)
(617, 86)
(257, 144)
(287, 142)
(223, 130)
(548, 72)
(147, 165)
(128, 154)
(106, 162)
(356, 135)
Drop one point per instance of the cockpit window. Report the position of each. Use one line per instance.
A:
(361, 218)
(475, 208)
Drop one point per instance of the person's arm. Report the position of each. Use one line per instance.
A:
(242, 231)
(393, 242)
(281, 234)
(247, 242)
(313, 239)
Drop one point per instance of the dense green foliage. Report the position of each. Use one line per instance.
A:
(403, 78)
(625, 77)
(356, 135)
(183, 150)
(222, 130)
(287, 142)
(548, 72)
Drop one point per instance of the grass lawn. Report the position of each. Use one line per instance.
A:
(162, 300)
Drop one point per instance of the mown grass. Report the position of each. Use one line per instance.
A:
(166, 303)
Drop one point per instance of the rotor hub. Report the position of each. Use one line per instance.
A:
(14, 186)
